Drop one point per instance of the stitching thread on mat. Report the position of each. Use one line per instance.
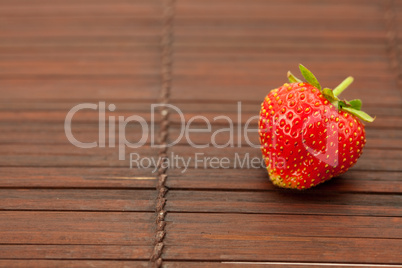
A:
(166, 75)
(393, 51)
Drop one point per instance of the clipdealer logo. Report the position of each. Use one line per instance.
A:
(109, 124)
(148, 130)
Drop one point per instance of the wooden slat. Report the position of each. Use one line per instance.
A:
(319, 34)
(54, 21)
(53, 32)
(81, 228)
(71, 263)
(48, 133)
(257, 180)
(260, 69)
(99, 177)
(79, 90)
(285, 21)
(59, 117)
(267, 227)
(282, 47)
(65, 67)
(245, 264)
(81, 252)
(223, 65)
(42, 8)
(133, 105)
(78, 51)
(281, 238)
(71, 156)
(210, 10)
(81, 199)
(285, 202)
(361, 250)
(342, 49)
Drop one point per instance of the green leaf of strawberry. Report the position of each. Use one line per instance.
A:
(356, 104)
(359, 114)
(309, 76)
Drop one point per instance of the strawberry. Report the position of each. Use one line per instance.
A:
(308, 135)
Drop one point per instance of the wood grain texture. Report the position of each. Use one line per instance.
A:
(62, 206)
(71, 263)
(82, 199)
(285, 202)
(257, 180)
(53, 56)
(244, 264)
(73, 177)
(79, 89)
(168, 264)
(80, 228)
(80, 252)
(71, 156)
(362, 250)
(266, 227)
(281, 237)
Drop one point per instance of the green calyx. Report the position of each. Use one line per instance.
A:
(353, 106)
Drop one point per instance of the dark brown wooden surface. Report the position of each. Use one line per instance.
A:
(62, 206)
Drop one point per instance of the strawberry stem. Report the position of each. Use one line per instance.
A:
(342, 86)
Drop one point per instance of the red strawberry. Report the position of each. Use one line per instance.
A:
(307, 134)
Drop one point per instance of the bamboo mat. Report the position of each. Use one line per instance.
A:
(63, 206)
